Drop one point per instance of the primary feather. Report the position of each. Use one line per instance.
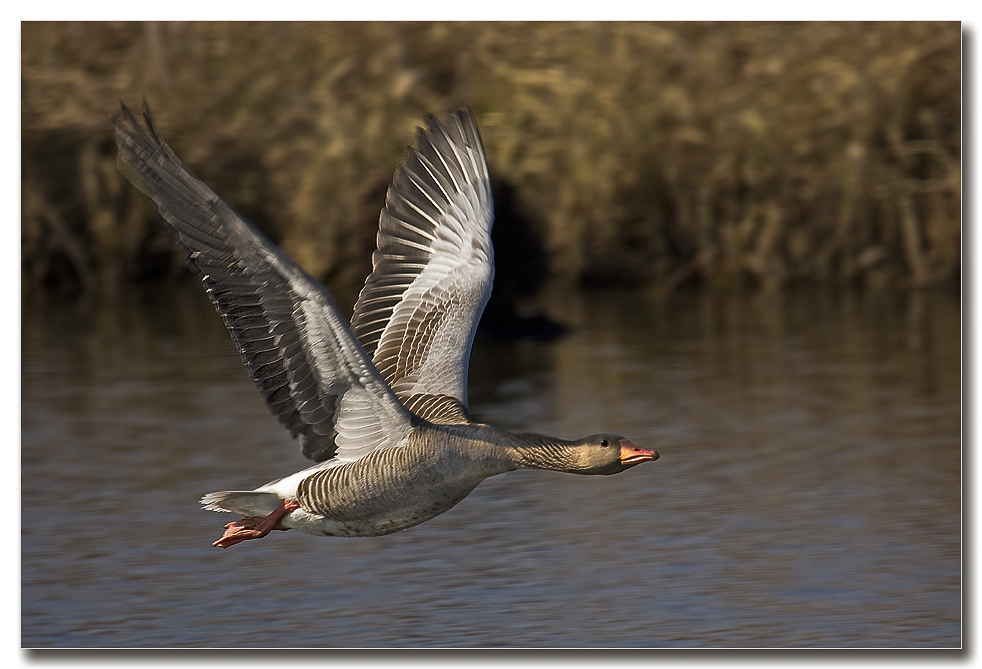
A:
(315, 376)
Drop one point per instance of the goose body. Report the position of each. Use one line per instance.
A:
(381, 405)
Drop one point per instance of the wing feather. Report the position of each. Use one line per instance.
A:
(432, 272)
(313, 373)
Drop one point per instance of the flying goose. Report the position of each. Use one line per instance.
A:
(381, 405)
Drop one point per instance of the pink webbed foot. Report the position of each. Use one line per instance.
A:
(255, 527)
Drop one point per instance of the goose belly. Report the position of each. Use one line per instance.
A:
(383, 516)
(359, 499)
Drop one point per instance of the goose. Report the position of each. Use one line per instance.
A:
(380, 404)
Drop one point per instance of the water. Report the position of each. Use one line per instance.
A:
(808, 492)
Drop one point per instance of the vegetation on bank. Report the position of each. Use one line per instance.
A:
(657, 154)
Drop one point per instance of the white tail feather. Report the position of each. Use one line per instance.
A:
(246, 502)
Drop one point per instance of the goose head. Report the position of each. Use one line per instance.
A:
(596, 454)
(608, 454)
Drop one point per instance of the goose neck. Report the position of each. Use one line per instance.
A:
(538, 451)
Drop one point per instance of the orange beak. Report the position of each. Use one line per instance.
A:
(635, 455)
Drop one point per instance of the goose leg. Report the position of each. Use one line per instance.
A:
(255, 527)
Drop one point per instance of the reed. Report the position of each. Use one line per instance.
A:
(658, 154)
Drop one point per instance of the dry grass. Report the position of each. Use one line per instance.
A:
(645, 153)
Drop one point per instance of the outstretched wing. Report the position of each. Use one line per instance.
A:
(432, 274)
(315, 376)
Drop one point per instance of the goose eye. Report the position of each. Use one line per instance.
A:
(604, 443)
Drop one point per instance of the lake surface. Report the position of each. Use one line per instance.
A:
(808, 491)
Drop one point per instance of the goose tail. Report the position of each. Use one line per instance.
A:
(245, 502)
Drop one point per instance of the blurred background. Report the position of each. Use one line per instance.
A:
(738, 243)
(654, 154)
